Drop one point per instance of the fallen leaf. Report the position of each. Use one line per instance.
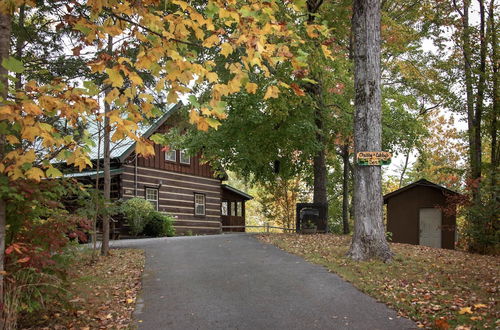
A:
(465, 310)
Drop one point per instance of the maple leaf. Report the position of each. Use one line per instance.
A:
(34, 173)
(115, 77)
(226, 49)
(465, 310)
(272, 92)
(251, 87)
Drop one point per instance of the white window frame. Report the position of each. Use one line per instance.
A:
(184, 153)
(224, 211)
(171, 152)
(239, 209)
(154, 201)
(199, 201)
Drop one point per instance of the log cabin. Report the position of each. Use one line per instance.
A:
(173, 181)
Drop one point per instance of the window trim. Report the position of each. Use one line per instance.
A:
(175, 156)
(204, 205)
(151, 200)
(227, 208)
(188, 157)
(232, 209)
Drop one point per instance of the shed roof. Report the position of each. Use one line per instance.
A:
(236, 191)
(421, 182)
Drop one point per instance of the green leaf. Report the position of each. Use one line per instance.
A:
(53, 172)
(213, 122)
(194, 101)
(13, 65)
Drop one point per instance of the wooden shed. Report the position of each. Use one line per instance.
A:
(233, 208)
(415, 215)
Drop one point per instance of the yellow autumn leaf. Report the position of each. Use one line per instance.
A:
(210, 41)
(135, 78)
(112, 95)
(465, 310)
(311, 31)
(2, 168)
(130, 301)
(477, 306)
(34, 173)
(212, 77)
(31, 108)
(115, 77)
(251, 87)
(144, 148)
(226, 49)
(272, 92)
(327, 52)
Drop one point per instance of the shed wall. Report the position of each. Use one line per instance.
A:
(403, 215)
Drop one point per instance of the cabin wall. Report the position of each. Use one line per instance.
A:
(176, 197)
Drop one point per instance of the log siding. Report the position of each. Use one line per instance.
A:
(176, 196)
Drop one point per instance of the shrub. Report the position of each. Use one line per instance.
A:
(159, 225)
(136, 212)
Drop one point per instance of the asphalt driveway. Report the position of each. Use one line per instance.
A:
(236, 282)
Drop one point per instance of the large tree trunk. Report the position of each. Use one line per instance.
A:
(5, 31)
(495, 150)
(345, 189)
(369, 239)
(319, 168)
(106, 165)
(320, 195)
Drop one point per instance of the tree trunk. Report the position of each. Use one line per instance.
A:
(369, 239)
(473, 128)
(5, 31)
(106, 165)
(345, 190)
(319, 168)
(320, 195)
(495, 150)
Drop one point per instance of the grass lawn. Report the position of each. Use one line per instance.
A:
(437, 288)
(102, 294)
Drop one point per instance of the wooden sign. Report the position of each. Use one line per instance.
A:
(374, 158)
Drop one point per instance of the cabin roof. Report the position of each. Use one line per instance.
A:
(123, 148)
(421, 182)
(236, 191)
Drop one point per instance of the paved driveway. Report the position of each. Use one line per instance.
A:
(236, 282)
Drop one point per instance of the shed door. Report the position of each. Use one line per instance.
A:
(430, 227)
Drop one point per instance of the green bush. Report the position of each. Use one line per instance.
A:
(159, 225)
(137, 212)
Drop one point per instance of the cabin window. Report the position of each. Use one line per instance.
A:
(199, 204)
(152, 197)
(233, 209)
(184, 157)
(171, 155)
(239, 209)
(224, 208)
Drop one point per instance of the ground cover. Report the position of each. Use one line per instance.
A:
(436, 288)
(101, 294)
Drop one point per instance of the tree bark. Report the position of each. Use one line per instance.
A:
(319, 167)
(106, 165)
(5, 32)
(495, 150)
(369, 239)
(345, 190)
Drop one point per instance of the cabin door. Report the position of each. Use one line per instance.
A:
(430, 227)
